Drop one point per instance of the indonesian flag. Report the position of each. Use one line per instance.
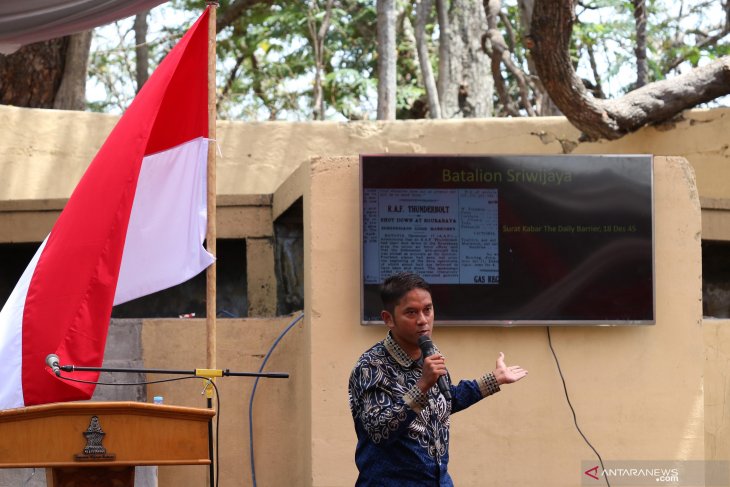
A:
(134, 225)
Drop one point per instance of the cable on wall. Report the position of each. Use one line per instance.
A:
(567, 398)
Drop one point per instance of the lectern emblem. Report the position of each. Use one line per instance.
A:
(94, 450)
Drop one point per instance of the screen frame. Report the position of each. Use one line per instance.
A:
(516, 322)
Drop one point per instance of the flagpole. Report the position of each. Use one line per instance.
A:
(210, 296)
(210, 292)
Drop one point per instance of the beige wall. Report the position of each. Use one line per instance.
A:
(38, 145)
(257, 157)
(45, 152)
(717, 389)
(281, 406)
(637, 391)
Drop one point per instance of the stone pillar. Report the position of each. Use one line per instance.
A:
(261, 277)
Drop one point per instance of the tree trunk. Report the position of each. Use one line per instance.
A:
(469, 87)
(429, 83)
(552, 25)
(258, 88)
(30, 77)
(141, 49)
(642, 73)
(49, 74)
(444, 53)
(386, 59)
(543, 103)
(71, 94)
(317, 35)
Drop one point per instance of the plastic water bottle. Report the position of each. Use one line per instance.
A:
(157, 400)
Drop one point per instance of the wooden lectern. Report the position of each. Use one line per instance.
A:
(100, 443)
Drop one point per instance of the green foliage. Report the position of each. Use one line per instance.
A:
(266, 59)
(674, 32)
(266, 64)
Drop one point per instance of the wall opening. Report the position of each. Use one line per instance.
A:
(716, 279)
(232, 299)
(289, 259)
(14, 258)
(183, 299)
(189, 297)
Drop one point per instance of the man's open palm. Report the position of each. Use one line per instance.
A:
(505, 374)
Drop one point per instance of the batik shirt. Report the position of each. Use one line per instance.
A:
(403, 434)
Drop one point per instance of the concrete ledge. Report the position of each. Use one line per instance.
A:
(715, 218)
(289, 191)
(238, 216)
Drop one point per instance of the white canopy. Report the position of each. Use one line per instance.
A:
(28, 21)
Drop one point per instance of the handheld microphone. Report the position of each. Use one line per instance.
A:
(52, 362)
(428, 349)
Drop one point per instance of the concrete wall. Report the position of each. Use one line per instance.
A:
(257, 157)
(717, 389)
(637, 391)
(38, 145)
(281, 406)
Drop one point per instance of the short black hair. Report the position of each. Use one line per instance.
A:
(397, 286)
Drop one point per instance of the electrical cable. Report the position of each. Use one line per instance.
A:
(575, 419)
(217, 410)
(69, 379)
(253, 393)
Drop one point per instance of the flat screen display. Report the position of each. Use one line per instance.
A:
(513, 240)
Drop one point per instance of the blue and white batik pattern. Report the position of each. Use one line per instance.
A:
(403, 434)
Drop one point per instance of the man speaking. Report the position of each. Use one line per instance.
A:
(401, 412)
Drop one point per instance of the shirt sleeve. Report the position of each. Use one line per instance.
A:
(469, 392)
(382, 409)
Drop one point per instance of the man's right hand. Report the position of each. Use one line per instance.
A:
(434, 366)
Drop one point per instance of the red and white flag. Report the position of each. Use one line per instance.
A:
(134, 225)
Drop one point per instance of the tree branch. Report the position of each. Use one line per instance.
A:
(258, 88)
(423, 11)
(233, 75)
(317, 36)
(501, 55)
(494, 50)
(594, 69)
(709, 41)
(141, 49)
(611, 119)
(235, 10)
(642, 72)
(662, 100)
(511, 37)
(444, 50)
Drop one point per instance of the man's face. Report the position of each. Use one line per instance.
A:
(412, 317)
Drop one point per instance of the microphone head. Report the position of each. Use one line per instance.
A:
(52, 360)
(425, 344)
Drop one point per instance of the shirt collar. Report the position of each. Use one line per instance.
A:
(397, 352)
